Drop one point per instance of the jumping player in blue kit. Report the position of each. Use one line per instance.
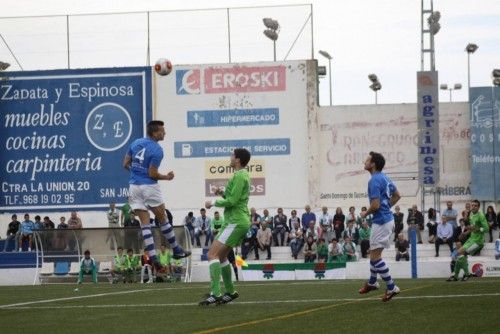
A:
(382, 194)
(143, 160)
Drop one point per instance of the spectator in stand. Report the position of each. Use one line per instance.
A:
(74, 222)
(498, 221)
(268, 219)
(132, 266)
(132, 221)
(38, 225)
(26, 232)
(293, 219)
(61, 237)
(432, 224)
(367, 218)
(202, 227)
(402, 246)
(264, 237)
(310, 250)
(415, 222)
(280, 228)
(335, 251)
(296, 239)
(466, 212)
(351, 216)
(398, 222)
(113, 216)
(249, 243)
(48, 224)
(216, 225)
(338, 223)
(118, 266)
(88, 266)
(189, 221)
(364, 239)
(12, 233)
(307, 217)
(146, 266)
(62, 223)
(255, 219)
(491, 218)
(322, 250)
(349, 248)
(450, 215)
(444, 236)
(462, 232)
(312, 231)
(352, 232)
(126, 210)
(324, 232)
(165, 258)
(325, 219)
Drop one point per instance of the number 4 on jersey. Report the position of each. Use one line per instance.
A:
(140, 155)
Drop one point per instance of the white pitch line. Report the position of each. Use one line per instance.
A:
(250, 302)
(242, 284)
(76, 297)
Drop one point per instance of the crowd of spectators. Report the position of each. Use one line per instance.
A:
(327, 237)
(319, 237)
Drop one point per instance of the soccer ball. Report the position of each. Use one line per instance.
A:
(163, 66)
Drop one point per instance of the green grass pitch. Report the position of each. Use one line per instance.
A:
(424, 306)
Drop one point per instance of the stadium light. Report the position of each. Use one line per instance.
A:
(470, 49)
(4, 66)
(456, 86)
(433, 22)
(272, 31)
(327, 56)
(495, 74)
(375, 86)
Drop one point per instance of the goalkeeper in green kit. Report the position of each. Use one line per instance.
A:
(237, 222)
(478, 227)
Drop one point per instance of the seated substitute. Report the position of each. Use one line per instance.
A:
(132, 266)
(88, 266)
(118, 266)
(147, 266)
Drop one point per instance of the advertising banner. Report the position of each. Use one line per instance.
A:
(428, 128)
(210, 110)
(64, 135)
(485, 142)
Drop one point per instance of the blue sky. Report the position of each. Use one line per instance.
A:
(363, 36)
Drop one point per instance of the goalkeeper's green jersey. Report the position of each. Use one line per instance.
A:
(478, 220)
(235, 199)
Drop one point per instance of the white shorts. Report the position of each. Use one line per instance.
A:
(381, 235)
(145, 196)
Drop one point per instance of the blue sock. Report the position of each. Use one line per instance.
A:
(373, 272)
(168, 231)
(149, 242)
(383, 270)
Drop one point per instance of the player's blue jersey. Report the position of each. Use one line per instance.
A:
(381, 187)
(145, 152)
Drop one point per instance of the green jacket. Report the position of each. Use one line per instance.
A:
(133, 262)
(216, 225)
(322, 250)
(235, 199)
(480, 225)
(120, 262)
(364, 234)
(165, 259)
